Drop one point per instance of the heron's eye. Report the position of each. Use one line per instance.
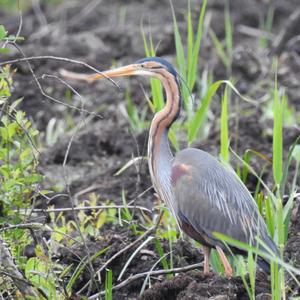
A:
(143, 66)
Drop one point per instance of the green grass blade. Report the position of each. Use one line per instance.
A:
(81, 266)
(280, 224)
(252, 271)
(147, 278)
(150, 238)
(157, 94)
(192, 72)
(265, 254)
(294, 149)
(179, 46)
(277, 136)
(173, 139)
(228, 32)
(269, 216)
(199, 116)
(190, 38)
(216, 261)
(245, 171)
(224, 127)
(146, 47)
(220, 49)
(162, 255)
(108, 284)
(156, 88)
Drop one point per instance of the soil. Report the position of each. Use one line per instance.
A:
(104, 32)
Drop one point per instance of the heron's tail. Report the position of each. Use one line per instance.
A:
(264, 264)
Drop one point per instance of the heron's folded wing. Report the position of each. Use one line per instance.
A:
(213, 199)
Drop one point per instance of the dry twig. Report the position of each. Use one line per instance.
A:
(290, 29)
(67, 209)
(131, 245)
(68, 60)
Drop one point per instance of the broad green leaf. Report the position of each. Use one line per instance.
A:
(3, 32)
(4, 50)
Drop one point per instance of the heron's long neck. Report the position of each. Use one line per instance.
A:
(159, 152)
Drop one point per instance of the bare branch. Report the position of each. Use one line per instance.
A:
(41, 88)
(67, 209)
(287, 32)
(5, 226)
(131, 245)
(68, 60)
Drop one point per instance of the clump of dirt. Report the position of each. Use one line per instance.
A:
(196, 285)
(116, 239)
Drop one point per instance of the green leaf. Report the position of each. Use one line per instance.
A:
(4, 133)
(13, 106)
(3, 153)
(33, 178)
(3, 32)
(34, 132)
(4, 171)
(11, 130)
(25, 154)
(4, 50)
(20, 115)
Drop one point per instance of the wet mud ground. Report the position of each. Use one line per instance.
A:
(102, 32)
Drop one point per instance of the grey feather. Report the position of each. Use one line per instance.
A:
(212, 198)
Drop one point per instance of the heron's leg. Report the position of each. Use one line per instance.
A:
(226, 264)
(206, 251)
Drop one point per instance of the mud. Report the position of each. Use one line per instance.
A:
(103, 32)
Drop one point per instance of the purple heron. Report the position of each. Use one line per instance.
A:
(204, 195)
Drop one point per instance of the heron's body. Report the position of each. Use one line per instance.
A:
(219, 197)
(204, 195)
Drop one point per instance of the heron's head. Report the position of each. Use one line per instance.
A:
(150, 66)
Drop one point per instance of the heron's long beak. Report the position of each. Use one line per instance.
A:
(122, 71)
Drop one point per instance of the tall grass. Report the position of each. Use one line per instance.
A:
(157, 100)
(266, 25)
(277, 215)
(187, 63)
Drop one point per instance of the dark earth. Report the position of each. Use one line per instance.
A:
(104, 32)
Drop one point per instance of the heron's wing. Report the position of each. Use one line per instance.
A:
(211, 198)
